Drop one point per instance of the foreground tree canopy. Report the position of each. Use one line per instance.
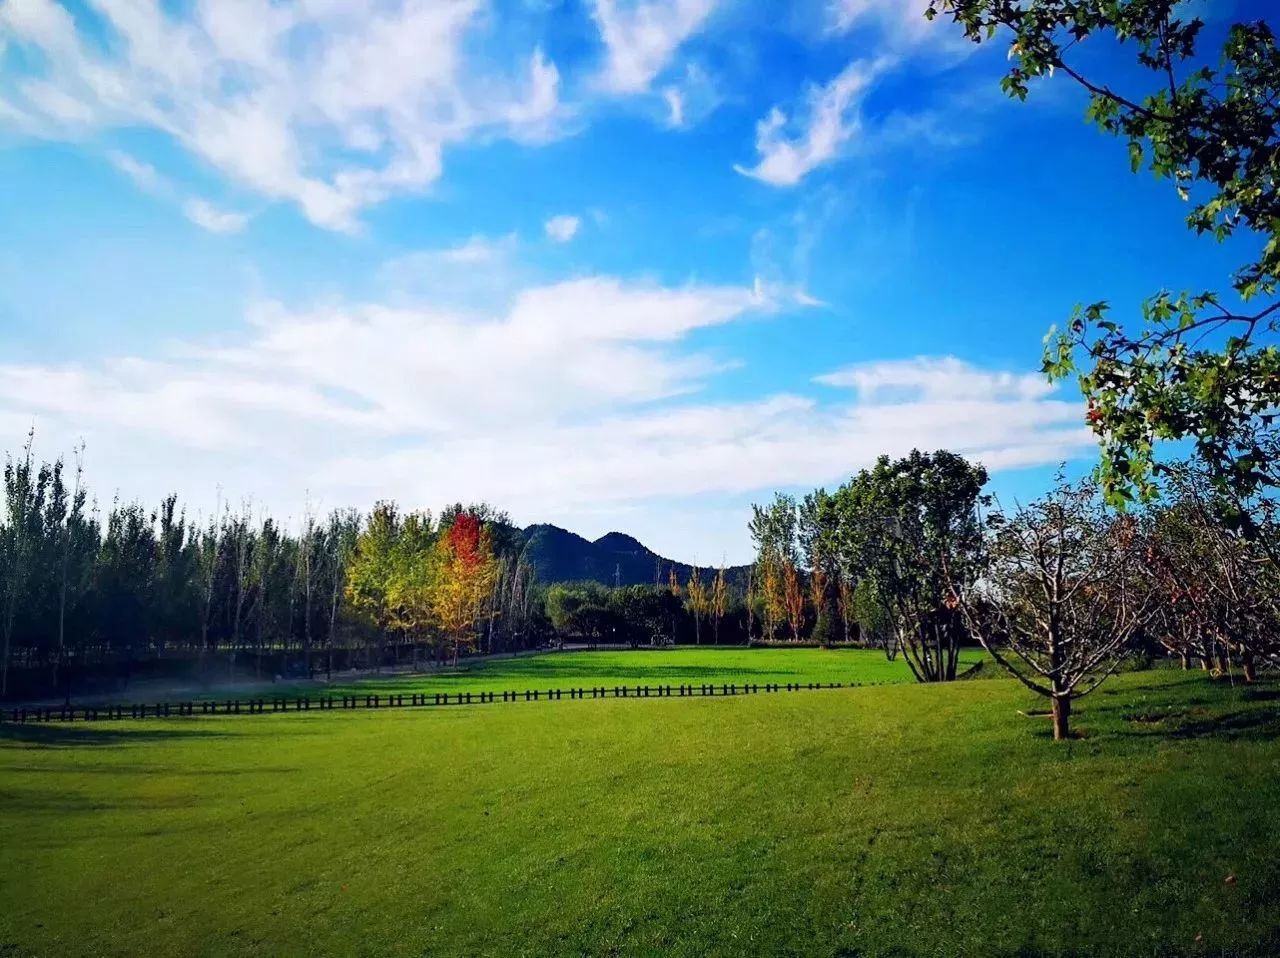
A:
(1203, 114)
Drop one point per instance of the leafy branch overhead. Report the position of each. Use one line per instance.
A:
(1199, 366)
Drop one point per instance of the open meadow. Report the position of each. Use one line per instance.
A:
(906, 819)
(605, 667)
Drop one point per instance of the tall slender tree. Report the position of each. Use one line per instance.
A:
(719, 603)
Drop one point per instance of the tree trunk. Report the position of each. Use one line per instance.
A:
(1061, 718)
(1186, 661)
(1248, 667)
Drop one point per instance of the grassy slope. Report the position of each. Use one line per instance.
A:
(563, 670)
(897, 820)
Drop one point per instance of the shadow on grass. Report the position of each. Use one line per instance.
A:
(1251, 724)
(78, 736)
(1262, 694)
(50, 802)
(149, 769)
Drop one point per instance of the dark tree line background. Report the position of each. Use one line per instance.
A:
(94, 596)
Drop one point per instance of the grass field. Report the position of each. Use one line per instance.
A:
(897, 820)
(563, 670)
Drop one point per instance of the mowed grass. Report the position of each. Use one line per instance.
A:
(609, 668)
(897, 820)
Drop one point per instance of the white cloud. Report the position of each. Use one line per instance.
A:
(576, 401)
(199, 211)
(329, 106)
(675, 106)
(642, 36)
(144, 176)
(562, 228)
(691, 99)
(207, 216)
(898, 18)
(936, 380)
(480, 274)
(789, 151)
(899, 25)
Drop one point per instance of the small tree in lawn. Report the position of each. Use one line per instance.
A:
(467, 571)
(1062, 597)
(719, 603)
(697, 601)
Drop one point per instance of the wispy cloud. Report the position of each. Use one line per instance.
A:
(207, 216)
(900, 25)
(581, 390)
(936, 379)
(641, 37)
(199, 211)
(562, 228)
(331, 107)
(789, 149)
(690, 98)
(144, 175)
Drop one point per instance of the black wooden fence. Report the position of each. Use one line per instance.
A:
(339, 703)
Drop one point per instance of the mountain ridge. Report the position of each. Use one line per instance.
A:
(615, 558)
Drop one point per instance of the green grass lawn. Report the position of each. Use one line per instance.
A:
(564, 670)
(896, 820)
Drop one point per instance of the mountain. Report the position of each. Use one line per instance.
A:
(558, 555)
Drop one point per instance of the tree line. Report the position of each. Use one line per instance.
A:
(84, 588)
(94, 594)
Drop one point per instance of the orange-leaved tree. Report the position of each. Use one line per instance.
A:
(466, 572)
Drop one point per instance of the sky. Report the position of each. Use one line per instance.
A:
(611, 264)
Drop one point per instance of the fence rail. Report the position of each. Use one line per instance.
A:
(340, 703)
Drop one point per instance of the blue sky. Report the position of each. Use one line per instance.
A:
(607, 264)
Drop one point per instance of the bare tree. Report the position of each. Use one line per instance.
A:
(1228, 558)
(1062, 597)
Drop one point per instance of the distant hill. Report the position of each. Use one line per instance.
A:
(558, 555)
